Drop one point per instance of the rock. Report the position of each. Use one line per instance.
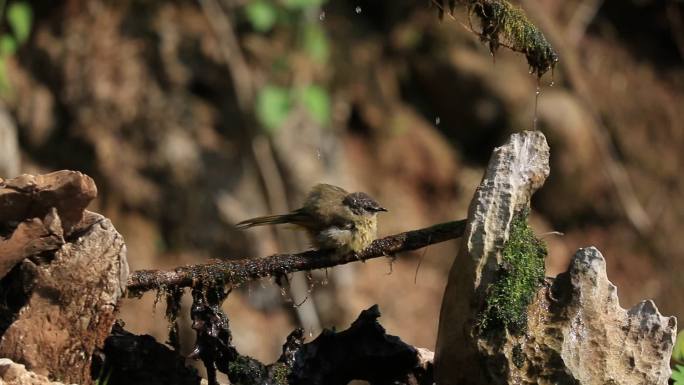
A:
(29, 196)
(31, 237)
(514, 172)
(66, 270)
(597, 341)
(12, 373)
(572, 330)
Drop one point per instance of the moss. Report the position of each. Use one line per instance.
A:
(280, 372)
(517, 356)
(245, 370)
(503, 22)
(519, 276)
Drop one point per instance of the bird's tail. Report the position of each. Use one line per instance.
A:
(266, 220)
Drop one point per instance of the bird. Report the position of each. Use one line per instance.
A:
(333, 218)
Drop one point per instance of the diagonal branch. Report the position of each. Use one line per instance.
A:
(242, 270)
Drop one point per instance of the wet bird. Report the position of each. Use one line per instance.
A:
(333, 218)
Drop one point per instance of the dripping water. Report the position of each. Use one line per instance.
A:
(536, 104)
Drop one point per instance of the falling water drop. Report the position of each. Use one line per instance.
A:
(358, 9)
(285, 296)
(536, 105)
(321, 17)
(437, 120)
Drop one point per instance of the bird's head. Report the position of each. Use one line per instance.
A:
(361, 203)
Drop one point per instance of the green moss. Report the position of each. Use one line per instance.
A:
(517, 356)
(504, 23)
(280, 372)
(245, 370)
(519, 277)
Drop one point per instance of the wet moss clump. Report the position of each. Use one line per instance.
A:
(519, 276)
(245, 370)
(503, 22)
(280, 371)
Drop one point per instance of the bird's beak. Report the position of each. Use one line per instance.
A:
(381, 209)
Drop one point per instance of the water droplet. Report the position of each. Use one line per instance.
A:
(552, 83)
(310, 334)
(321, 17)
(437, 120)
(318, 153)
(358, 9)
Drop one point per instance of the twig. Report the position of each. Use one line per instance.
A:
(239, 271)
(470, 29)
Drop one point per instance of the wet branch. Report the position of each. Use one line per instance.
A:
(242, 270)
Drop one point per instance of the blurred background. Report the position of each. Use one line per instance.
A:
(194, 115)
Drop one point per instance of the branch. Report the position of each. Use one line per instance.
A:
(242, 270)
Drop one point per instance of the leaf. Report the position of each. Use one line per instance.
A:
(20, 17)
(678, 375)
(317, 102)
(261, 14)
(678, 350)
(315, 43)
(8, 45)
(272, 106)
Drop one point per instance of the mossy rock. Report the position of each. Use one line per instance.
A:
(520, 275)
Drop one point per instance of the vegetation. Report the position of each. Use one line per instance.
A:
(307, 42)
(678, 360)
(19, 18)
(504, 24)
(520, 275)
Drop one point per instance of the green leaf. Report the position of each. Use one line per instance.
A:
(678, 350)
(8, 45)
(678, 375)
(261, 14)
(20, 17)
(272, 106)
(317, 102)
(300, 4)
(315, 43)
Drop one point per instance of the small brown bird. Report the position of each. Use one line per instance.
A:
(333, 218)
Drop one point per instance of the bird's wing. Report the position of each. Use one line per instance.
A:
(324, 203)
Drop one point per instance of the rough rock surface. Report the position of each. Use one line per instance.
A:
(12, 373)
(598, 341)
(31, 237)
(514, 172)
(576, 332)
(70, 270)
(29, 196)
